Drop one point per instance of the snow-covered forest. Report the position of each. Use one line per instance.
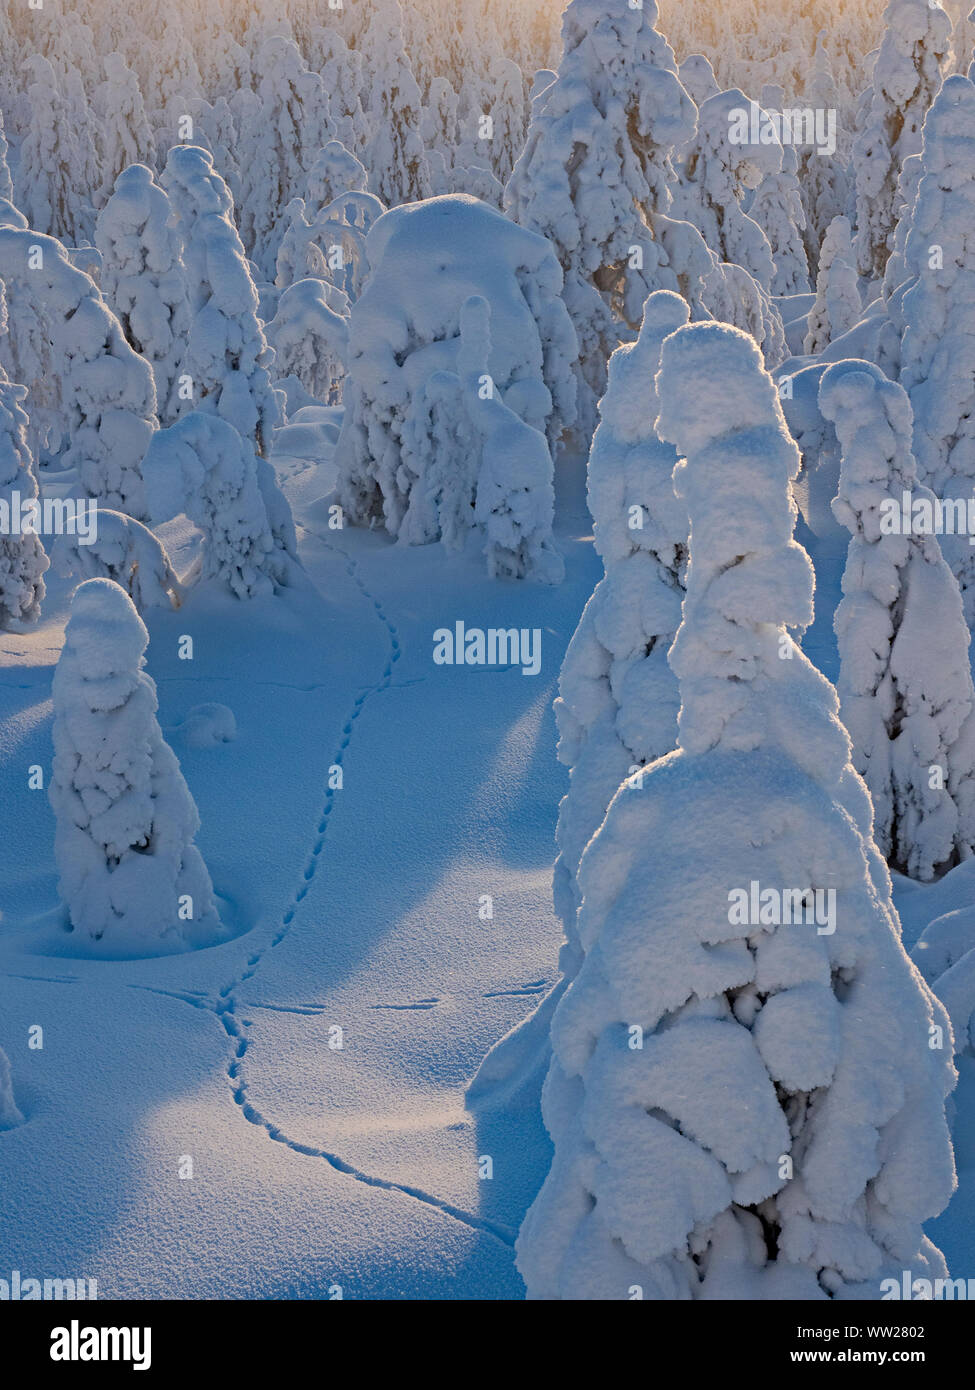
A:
(487, 722)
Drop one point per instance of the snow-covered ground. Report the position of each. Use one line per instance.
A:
(353, 909)
(316, 1165)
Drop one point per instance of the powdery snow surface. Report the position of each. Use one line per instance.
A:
(354, 908)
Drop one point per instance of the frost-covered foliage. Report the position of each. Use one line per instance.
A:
(756, 1041)
(907, 77)
(203, 467)
(905, 684)
(595, 177)
(126, 552)
(10, 1115)
(129, 872)
(717, 173)
(142, 277)
(310, 340)
(397, 164)
(226, 352)
(618, 699)
(427, 260)
(127, 136)
(22, 557)
(91, 397)
(937, 348)
(837, 305)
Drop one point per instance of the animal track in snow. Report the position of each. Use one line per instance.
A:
(225, 1005)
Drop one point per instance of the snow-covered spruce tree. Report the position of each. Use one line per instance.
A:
(477, 182)
(126, 135)
(837, 305)
(225, 65)
(22, 557)
(897, 276)
(426, 260)
(596, 173)
(10, 1115)
(441, 448)
(907, 77)
(129, 872)
(341, 72)
(226, 352)
(173, 78)
(721, 165)
(215, 128)
(937, 348)
(142, 277)
(310, 340)
(268, 19)
(330, 246)
(732, 295)
(618, 699)
(394, 156)
(508, 114)
(721, 1098)
(823, 181)
(905, 684)
(85, 167)
(697, 78)
(515, 498)
(126, 552)
(541, 82)
(617, 705)
(299, 254)
(896, 272)
(203, 467)
(286, 132)
(6, 183)
(777, 208)
(47, 191)
(468, 462)
(438, 122)
(92, 400)
(335, 170)
(10, 47)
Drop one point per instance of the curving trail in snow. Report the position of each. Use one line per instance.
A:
(225, 1007)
